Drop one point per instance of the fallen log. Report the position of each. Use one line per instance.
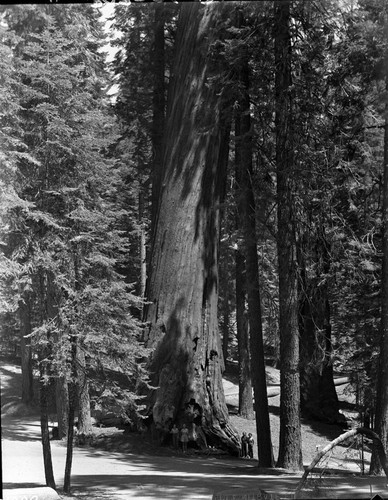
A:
(340, 439)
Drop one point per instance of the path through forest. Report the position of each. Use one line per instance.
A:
(101, 474)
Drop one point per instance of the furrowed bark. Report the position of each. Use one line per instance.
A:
(290, 451)
(186, 364)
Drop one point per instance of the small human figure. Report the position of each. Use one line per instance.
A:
(244, 445)
(184, 437)
(175, 436)
(251, 442)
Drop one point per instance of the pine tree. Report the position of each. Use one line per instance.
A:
(247, 217)
(71, 240)
(290, 454)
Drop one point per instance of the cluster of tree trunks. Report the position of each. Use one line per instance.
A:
(188, 184)
(381, 415)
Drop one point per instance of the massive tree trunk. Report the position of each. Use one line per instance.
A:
(225, 326)
(186, 363)
(381, 410)
(318, 394)
(25, 350)
(247, 218)
(290, 454)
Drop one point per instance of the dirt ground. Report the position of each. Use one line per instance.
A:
(126, 466)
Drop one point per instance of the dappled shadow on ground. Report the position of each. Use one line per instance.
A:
(344, 487)
(135, 466)
(15, 430)
(182, 479)
(160, 486)
(156, 476)
(11, 382)
(199, 478)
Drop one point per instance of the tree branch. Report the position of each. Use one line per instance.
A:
(343, 437)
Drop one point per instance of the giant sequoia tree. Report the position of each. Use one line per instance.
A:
(186, 363)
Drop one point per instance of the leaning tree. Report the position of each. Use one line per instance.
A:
(182, 330)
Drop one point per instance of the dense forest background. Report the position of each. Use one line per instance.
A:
(216, 193)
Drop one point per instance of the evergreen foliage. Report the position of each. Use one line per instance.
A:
(64, 242)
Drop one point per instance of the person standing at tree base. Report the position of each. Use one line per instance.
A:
(251, 442)
(244, 445)
(175, 436)
(184, 437)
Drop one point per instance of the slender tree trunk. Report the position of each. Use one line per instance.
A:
(61, 392)
(73, 396)
(158, 107)
(83, 399)
(73, 391)
(247, 216)
(290, 454)
(157, 132)
(142, 245)
(62, 405)
(80, 370)
(45, 369)
(45, 431)
(245, 400)
(186, 362)
(61, 395)
(246, 409)
(69, 450)
(77, 387)
(381, 410)
(26, 352)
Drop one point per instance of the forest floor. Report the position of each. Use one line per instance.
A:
(120, 466)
